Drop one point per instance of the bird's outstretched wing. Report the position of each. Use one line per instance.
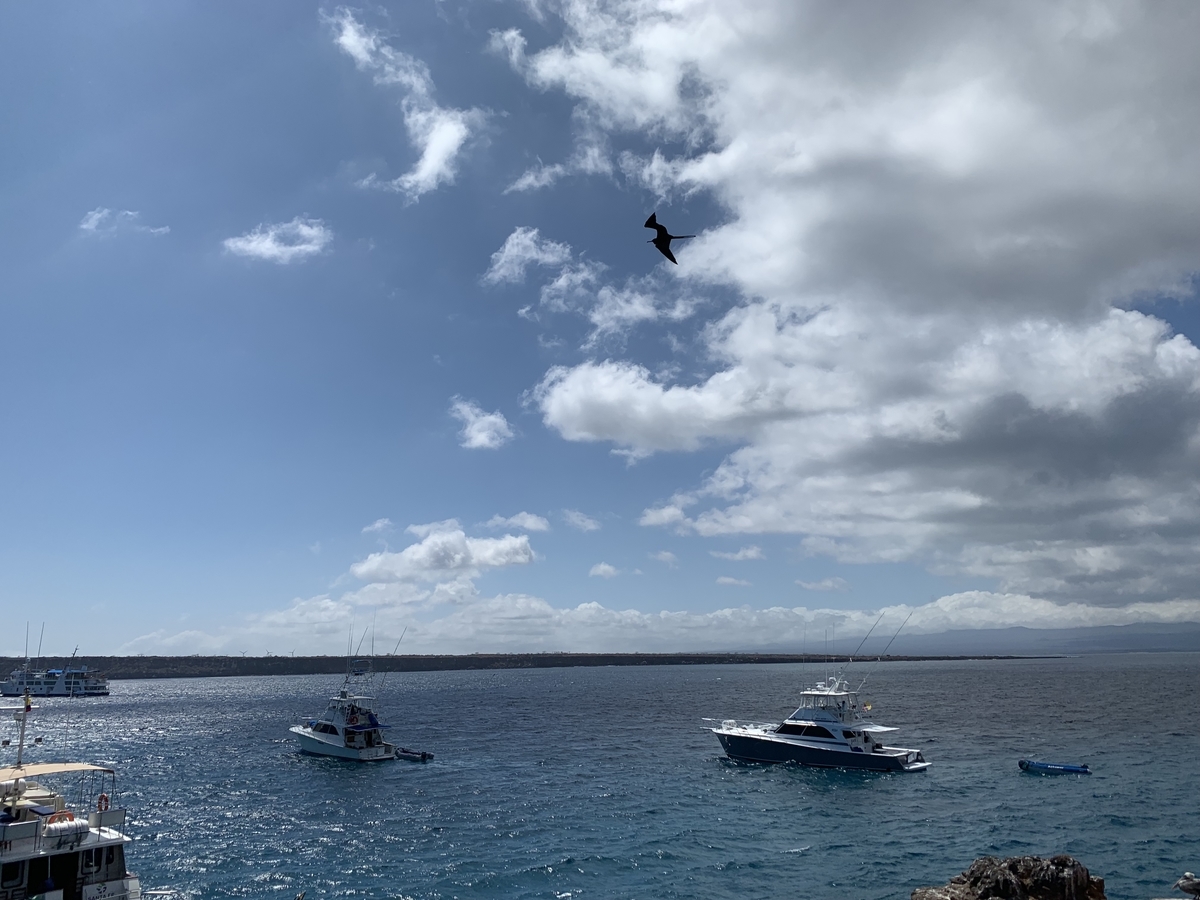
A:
(664, 247)
(652, 222)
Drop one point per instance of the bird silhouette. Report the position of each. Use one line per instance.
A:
(1189, 884)
(662, 238)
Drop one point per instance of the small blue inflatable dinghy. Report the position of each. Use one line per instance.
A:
(1045, 768)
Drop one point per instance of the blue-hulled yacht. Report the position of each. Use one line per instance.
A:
(827, 729)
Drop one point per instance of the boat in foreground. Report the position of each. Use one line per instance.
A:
(49, 849)
(827, 730)
(349, 728)
(1044, 768)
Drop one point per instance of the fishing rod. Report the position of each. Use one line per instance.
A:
(865, 636)
(850, 659)
(383, 680)
(885, 649)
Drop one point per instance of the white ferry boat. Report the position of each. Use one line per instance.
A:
(51, 850)
(70, 681)
(827, 729)
(349, 727)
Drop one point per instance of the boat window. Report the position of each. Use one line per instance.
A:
(848, 735)
(811, 731)
(13, 873)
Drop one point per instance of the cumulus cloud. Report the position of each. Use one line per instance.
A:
(751, 552)
(825, 584)
(580, 521)
(283, 243)
(522, 623)
(521, 249)
(378, 526)
(943, 226)
(104, 221)
(481, 430)
(522, 520)
(439, 133)
(579, 286)
(443, 552)
(604, 570)
(666, 556)
(732, 582)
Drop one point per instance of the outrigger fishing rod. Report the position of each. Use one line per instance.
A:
(879, 658)
(383, 680)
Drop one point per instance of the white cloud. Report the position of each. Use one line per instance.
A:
(580, 521)
(378, 526)
(104, 221)
(445, 555)
(751, 552)
(666, 556)
(518, 622)
(825, 584)
(578, 286)
(283, 243)
(522, 248)
(732, 582)
(481, 430)
(604, 570)
(937, 224)
(522, 520)
(438, 132)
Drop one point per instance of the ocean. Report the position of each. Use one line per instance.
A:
(584, 783)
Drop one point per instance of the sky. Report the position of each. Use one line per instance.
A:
(319, 321)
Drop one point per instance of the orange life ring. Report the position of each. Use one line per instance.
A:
(61, 816)
(102, 803)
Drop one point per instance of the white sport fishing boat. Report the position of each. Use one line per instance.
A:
(827, 729)
(349, 727)
(51, 850)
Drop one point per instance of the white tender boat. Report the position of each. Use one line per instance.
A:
(827, 729)
(349, 727)
(49, 849)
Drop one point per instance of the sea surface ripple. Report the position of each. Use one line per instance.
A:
(604, 783)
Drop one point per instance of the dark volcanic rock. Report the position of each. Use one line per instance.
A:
(1019, 878)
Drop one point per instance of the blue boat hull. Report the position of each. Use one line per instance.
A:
(764, 750)
(1043, 768)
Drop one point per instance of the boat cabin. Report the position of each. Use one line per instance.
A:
(47, 849)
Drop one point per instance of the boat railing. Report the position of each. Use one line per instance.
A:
(38, 835)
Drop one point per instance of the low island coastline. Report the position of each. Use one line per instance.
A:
(118, 668)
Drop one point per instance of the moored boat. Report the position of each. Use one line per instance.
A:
(827, 730)
(69, 681)
(1035, 767)
(49, 849)
(349, 727)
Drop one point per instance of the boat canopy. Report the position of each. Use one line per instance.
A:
(36, 769)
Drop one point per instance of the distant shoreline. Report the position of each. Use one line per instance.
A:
(118, 668)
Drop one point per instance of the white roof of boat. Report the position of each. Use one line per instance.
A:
(36, 769)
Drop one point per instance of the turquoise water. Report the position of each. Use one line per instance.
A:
(603, 783)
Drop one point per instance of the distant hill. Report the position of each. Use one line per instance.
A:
(125, 667)
(1180, 637)
(981, 643)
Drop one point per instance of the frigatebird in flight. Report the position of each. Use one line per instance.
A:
(662, 238)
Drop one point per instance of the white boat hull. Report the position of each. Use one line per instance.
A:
(311, 742)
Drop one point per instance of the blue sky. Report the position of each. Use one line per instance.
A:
(318, 316)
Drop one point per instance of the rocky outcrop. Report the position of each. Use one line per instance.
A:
(1019, 878)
